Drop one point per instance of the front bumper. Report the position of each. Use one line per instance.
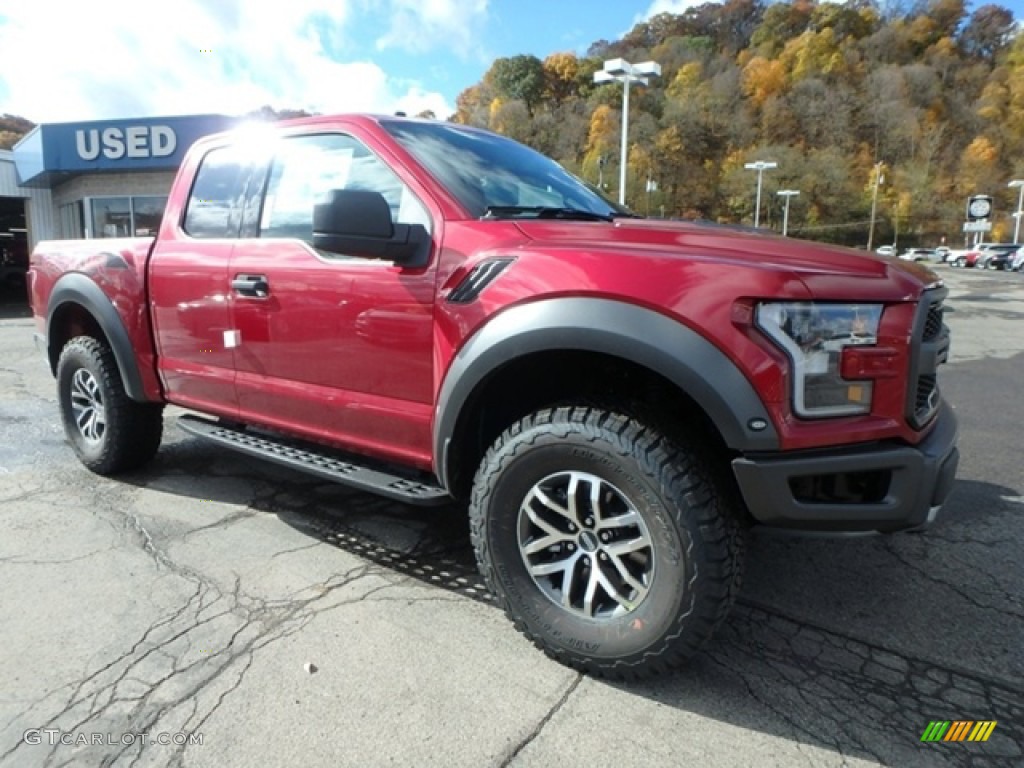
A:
(883, 487)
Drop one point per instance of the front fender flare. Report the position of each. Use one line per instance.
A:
(77, 288)
(627, 331)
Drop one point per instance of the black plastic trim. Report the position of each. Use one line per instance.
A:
(320, 461)
(921, 479)
(77, 288)
(482, 275)
(925, 357)
(632, 333)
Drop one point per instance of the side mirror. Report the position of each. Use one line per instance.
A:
(357, 222)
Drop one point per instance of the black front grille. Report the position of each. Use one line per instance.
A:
(933, 323)
(926, 398)
(929, 348)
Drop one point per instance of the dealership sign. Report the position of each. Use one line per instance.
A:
(53, 152)
(133, 141)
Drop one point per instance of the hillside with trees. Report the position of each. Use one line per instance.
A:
(12, 128)
(927, 98)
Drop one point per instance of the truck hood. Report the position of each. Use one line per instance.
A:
(816, 264)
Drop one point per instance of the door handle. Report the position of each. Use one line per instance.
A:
(251, 285)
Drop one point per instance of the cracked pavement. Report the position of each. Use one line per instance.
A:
(190, 597)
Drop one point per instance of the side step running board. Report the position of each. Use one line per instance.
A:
(317, 460)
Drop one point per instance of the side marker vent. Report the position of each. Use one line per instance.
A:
(482, 275)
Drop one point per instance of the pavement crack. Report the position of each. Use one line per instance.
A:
(533, 734)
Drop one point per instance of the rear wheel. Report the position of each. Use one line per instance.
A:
(607, 544)
(109, 431)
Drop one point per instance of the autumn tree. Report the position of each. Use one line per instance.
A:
(989, 30)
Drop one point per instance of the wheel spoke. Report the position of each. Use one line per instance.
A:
(568, 582)
(588, 597)
(539, 545)
(620, 548)
(539, 521)
(595, 503)
(550, 569)
(574, 485)
(539, 494)
(626, 576)
(620, 521)
(90, 426)
(613, 593)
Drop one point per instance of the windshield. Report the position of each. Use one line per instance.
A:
(496, 177)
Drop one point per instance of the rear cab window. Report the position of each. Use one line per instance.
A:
(215, 202)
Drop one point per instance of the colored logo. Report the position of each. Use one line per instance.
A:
(958, 730)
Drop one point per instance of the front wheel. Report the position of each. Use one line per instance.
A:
(109, 431)
(612, 548)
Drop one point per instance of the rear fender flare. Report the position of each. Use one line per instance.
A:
(76, 288)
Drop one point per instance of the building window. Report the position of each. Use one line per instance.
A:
(146, 215)
(111, 216)
(119, 216)
(72, 221)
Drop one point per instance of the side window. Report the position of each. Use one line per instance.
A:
(216, 197)
(306, 168)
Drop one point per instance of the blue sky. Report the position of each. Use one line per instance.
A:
(68, 60)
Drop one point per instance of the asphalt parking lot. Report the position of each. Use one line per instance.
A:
(193, 597)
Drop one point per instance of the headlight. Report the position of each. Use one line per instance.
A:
(814, 335)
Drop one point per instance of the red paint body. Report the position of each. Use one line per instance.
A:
(355, 352)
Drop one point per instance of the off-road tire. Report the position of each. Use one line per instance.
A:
(127, 433)
(696, 535)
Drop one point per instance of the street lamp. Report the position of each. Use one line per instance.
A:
(1020, 205)
(623, 72)
(760, 166)
(787, 193)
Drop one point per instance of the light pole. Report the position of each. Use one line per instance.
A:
(623, 72)
(1020, 205)
(787, 193)
(760, 166)
(874, 203)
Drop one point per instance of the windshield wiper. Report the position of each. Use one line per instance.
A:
(542, 212)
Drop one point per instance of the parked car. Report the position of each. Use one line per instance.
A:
(1016, 262)
(920, 254)
(886, 250)
(997, 256)
(981, 255)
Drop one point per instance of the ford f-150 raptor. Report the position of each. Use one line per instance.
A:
(437, 313)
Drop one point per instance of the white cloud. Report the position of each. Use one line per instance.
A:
(418, 25)
(117, 58)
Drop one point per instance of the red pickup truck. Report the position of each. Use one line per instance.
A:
(436, 313)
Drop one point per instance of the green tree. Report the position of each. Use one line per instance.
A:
(518, 77)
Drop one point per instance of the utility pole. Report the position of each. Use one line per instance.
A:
(874, 203)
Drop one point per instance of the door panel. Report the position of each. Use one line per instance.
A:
(338, 351)
(340, 348)
(188, 287)
(189, 304)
